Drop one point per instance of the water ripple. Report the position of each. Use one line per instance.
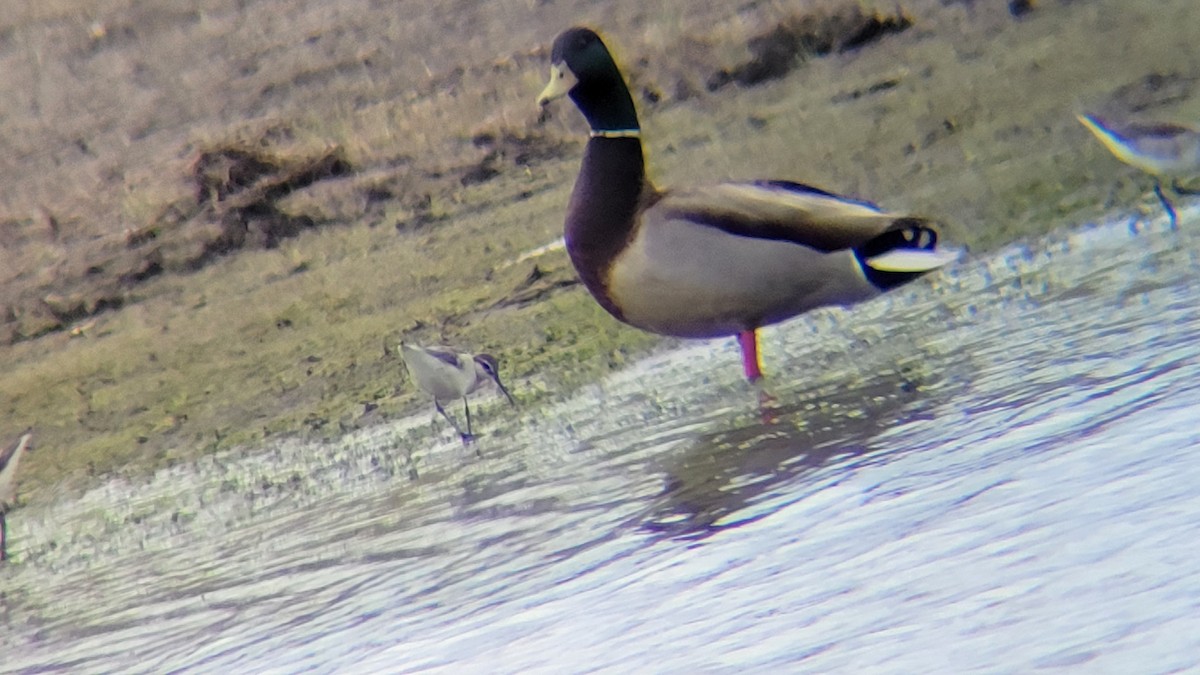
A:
(988, 470)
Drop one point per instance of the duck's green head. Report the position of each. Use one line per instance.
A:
(581, 67)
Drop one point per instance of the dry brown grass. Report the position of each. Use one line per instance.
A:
(967, 115)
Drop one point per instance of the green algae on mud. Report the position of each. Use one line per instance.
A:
(963, 113)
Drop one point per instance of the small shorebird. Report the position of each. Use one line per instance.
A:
(1165, 151)
(10, 456)
(720, 260)
(448, 374)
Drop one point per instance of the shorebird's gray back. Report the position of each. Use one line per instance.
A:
(440, 371)
(1160, 149)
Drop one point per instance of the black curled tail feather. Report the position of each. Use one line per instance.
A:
(912, 233)
(905, 233)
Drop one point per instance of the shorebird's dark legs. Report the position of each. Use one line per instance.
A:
(3, 537)
(437, 404)
(1166, 204)
(466, 437)
(469, 436)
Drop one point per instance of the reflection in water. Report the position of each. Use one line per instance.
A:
(724, 471)
(999, 459)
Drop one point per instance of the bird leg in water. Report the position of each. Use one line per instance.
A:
(748, 340)
(3, 536)
(1166, 204)
(467, 437)
(437, 404)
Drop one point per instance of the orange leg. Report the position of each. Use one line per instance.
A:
(748, 340)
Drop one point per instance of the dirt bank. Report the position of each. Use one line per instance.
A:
(218, 217)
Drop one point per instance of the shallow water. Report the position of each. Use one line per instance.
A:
(988, 470)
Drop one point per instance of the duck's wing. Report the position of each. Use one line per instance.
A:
(780, 210)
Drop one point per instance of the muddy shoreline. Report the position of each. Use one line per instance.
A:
(216, 222)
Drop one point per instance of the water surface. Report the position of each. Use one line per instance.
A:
(990, 469)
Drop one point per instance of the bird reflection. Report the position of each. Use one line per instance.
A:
(715, 484)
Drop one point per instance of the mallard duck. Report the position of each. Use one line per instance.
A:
(446, 374)
(10, 456)
(1164, 150)
(721, 260)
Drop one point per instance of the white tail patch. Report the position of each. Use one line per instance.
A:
(912, 260)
